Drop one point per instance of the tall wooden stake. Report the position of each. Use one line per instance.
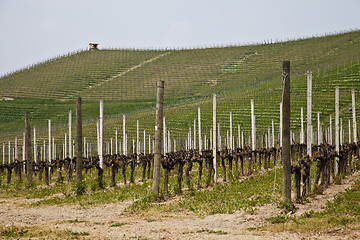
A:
(214, 138)
(199, 130)
(353, 115)
(285, 154)
(79, 147)
(337, 136)
(309, 123)
(101, 134)
(70, 136)
(302, 126)
(35, 146)
(253, 136)
(231, 132)
(28, 149)
(124, 136)
(158, 138)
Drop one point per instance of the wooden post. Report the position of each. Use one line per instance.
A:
(214, 138)
(239, 137)
(199, 130)
(66, 146)
(3, 153)
(116, 142)
(349, 131)
(330, 131)
(281, 125)
(318, 129)
(53, 148)
(242, 139)
(309, 123)
(79, 147)
(273, 133)
(231, 132)
(194, 133)
(124, 137)
(337, 137)
(219, 137)
(35, 146)
(16, 149)
(9, 153)
(49, 147)
(353, 115)
(164, 136)
(211, 139)
(28, 149)
(302, 126)
(101, 132)
(98, 136)
(341, 135)
(253, 136)
(84, 148)
(158, 138)
(70, 136)
(285, 154)
(144, 150)
(23, 149)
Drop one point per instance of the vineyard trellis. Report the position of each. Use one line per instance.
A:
(210, 94)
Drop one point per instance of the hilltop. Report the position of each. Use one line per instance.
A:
(126, 80)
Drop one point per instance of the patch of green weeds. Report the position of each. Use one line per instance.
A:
(219, 232)
(118, 224)
(13, 232)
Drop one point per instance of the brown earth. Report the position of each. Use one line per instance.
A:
(111, 221)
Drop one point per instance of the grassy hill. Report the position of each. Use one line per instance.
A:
(126, 80)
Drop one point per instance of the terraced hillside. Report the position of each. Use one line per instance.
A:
(126, 80)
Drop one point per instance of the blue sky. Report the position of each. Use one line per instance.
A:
(35, 30)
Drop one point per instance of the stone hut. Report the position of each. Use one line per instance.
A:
(93, 46)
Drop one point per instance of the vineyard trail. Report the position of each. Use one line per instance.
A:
(112, 221)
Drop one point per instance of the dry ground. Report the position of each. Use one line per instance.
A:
(111, 221)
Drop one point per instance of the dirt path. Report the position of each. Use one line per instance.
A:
(110, 221)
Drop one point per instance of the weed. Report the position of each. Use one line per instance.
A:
(219, 232)
(13, 232)
(79, 188)
(118, 224)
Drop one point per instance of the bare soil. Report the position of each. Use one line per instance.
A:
(111, 221)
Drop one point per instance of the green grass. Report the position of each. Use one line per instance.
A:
(36, 232)
(341, 213)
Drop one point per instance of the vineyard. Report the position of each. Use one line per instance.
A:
(118, 142)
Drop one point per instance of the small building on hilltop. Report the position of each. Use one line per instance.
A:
(93, 46)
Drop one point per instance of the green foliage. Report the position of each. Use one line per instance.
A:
(72, 233)
(118, 224)
(13, 232)
(219, 232)
(277, 219)
(287, 207)
(80, 188)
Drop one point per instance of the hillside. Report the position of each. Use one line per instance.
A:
(126, 80)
